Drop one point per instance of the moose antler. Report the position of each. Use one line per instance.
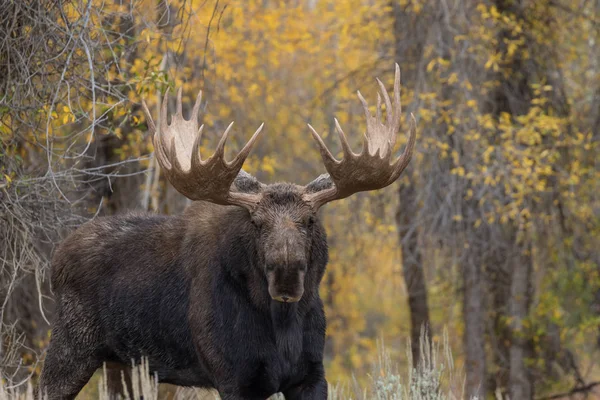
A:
(177, 148)
(372, 168)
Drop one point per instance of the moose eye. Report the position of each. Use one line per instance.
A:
(308, 224)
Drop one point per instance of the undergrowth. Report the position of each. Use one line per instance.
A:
(435, 378)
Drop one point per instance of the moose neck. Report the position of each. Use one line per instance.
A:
(283, 315)
(287, 326)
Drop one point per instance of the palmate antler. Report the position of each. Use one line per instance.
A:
(177, 147)
(372, 168)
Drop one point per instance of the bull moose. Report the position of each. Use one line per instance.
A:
(225, 295)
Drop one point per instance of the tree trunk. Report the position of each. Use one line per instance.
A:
(520, 381)
(414, 277)
(409, 44)
(474, 336)
(513, 96)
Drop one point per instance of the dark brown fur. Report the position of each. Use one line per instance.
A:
(195, 294)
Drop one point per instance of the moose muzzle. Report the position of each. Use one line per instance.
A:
(286, 263)
(286, 283)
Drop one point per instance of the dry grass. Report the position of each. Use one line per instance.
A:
(434, 379)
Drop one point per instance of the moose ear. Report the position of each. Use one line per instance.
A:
(322, 182)
(246, 183)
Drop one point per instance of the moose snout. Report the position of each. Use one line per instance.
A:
(286, 284)
(286, 262)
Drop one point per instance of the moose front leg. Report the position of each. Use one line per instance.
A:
(314, 386)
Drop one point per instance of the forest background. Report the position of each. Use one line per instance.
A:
(492, 233)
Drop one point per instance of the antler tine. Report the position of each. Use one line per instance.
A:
(149, 119)
(220, 151)
(378, 109)
(179, 111)
(345, 146)
(161, 152)
(173, 157)
(325, 153)
(404, 159)
(243, 154)
(196, 161)
(373, 168)
(159, 137)
(197, 106)
(365, 105)
(397, 113)
(388, 102)
(164, 107)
